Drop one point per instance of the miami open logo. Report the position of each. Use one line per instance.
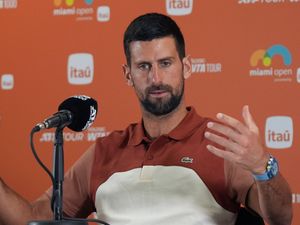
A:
(82, 12)
(266, 55)
(70, 2)
(262, 60)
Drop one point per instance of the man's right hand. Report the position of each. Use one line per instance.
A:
(15, 210)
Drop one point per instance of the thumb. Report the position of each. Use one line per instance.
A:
(248, 119)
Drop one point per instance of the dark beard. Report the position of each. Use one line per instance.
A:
(161, 107)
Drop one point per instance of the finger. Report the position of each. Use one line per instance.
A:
(227, 131)
(248, 119)
(221, 153)
(234, 123)
(226, 143)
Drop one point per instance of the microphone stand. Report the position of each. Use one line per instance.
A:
(58, 175)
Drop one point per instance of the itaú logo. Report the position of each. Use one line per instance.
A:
(103, 13)
(298, 75)
(8, 4)
(7, 81)
(80, 68)
(279, 132)
(179, 7)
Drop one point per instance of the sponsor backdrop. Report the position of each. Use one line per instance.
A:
(243, 52)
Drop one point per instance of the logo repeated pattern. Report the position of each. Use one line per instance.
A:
(241, 52)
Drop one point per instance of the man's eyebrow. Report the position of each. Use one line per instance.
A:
(166, 58)
(141, 62)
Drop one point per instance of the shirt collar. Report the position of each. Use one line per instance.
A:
(184, 129)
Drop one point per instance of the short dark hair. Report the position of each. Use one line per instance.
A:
(151, 26)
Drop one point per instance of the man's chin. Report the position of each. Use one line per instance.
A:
(159, 100)
(158, 109)
(160, 106)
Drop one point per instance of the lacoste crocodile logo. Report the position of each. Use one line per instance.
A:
(186, 159)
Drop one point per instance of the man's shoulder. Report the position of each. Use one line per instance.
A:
(118, 136)
(195, 120)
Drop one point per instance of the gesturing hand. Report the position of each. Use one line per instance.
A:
(243, 145)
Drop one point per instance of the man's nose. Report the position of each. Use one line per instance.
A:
(156, 75)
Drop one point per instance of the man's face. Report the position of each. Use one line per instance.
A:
(157, 74)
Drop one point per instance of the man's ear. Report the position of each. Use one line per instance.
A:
(127, 74)
(187, 67)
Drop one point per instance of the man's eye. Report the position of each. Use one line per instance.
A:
(144, 67)
(165, 63)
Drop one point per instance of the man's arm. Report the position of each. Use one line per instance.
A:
(269, 197)
(272, 198)
(15, 210)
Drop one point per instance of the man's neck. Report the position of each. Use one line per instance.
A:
(156, 126)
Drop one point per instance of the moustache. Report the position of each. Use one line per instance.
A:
(160, 87)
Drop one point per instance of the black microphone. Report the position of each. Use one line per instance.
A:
(77, 113)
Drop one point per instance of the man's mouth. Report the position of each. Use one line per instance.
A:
(158, 93)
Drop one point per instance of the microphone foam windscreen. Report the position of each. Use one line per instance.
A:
(84, 110)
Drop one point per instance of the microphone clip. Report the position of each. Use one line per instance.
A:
(60, 119)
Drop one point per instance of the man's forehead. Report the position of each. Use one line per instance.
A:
(158, 48)
(170, 39)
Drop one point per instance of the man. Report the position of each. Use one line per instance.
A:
(174, 167)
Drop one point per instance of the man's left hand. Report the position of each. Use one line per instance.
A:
(243, 145)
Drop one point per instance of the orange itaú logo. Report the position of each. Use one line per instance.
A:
(266, 55)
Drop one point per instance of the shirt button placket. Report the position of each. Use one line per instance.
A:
(150, 157)
(157, 145)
